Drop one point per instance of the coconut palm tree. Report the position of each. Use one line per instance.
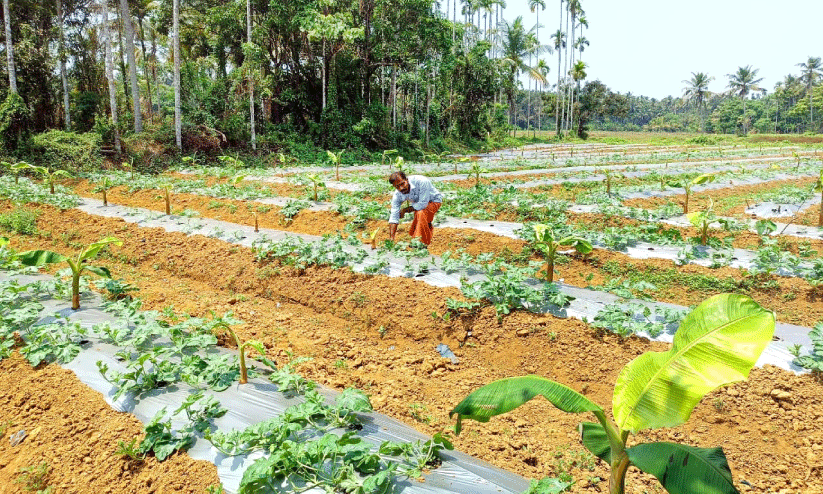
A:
(515, 45)
(812, 70)
(9, 48)
(741, 83)
(697, 91)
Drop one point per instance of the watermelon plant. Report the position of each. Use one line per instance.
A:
(717, 344)
(77, 265)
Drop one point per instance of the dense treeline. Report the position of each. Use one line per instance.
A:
(330, 74)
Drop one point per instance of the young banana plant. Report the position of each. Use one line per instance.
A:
(77, 265)
(701, 220)
(335, 159)
(818, 187)
(317, 181)
(545, 242)
(717, 344)
(687, 185)
(16, 168)
(48, 176)
(241, 349)
(103, 187)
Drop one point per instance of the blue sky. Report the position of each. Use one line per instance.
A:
(649, 47)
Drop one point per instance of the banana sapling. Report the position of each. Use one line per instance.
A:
(48, 177)
(77, 265)
(241, 349)
(545, 242)
(335, 160)
(688, 184)
(718, 343)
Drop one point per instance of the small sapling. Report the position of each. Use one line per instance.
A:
(545, 242)
(77, 265)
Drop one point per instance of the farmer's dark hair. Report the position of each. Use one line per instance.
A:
(396, 177)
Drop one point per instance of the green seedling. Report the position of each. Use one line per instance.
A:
(166, 188)
(77, 265)
(373, 238)
(104, 185)
(48, 177)
(35, 478)
(130, 450)
(399, 162)
(15, 168)
(317, 181)
(545, 242)
(461, 160)
(129, 167)
(797, 161)
(687, 186)
(477, 170)
(335, 160)
(818, 187)
(386, 154)
(717, 344)
(241, 349)
(702, 220)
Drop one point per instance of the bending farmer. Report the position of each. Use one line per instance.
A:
(424, 199)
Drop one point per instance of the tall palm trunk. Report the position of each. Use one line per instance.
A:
(251, 81)
(110, 75)
(9, 49)
(178, 117)
(129, 47)
(559, 47)
(61, 53)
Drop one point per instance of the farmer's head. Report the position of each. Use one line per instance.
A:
(400, 182)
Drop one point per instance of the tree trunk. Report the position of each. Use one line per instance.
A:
(145, 64)
(9, 49)
(110, 76)
(62, 55)
(178, 118)
(251, 81)
(129, 46)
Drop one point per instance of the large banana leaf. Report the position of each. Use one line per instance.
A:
(596, 440)
(718, 343)
(685, 469)
(507, 394)
(95, 248)
(40, 257)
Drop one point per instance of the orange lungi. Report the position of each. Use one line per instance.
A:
(421, 225)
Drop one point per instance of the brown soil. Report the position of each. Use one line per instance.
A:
(378, 334)
(73, 430)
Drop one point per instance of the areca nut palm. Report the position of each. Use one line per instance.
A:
(697, 91)
(812, 70)
(741, 83)
(559, 43)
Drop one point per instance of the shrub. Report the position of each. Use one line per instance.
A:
(69, 150)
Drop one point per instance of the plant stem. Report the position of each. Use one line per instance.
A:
(617, 478)
(105, 200)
